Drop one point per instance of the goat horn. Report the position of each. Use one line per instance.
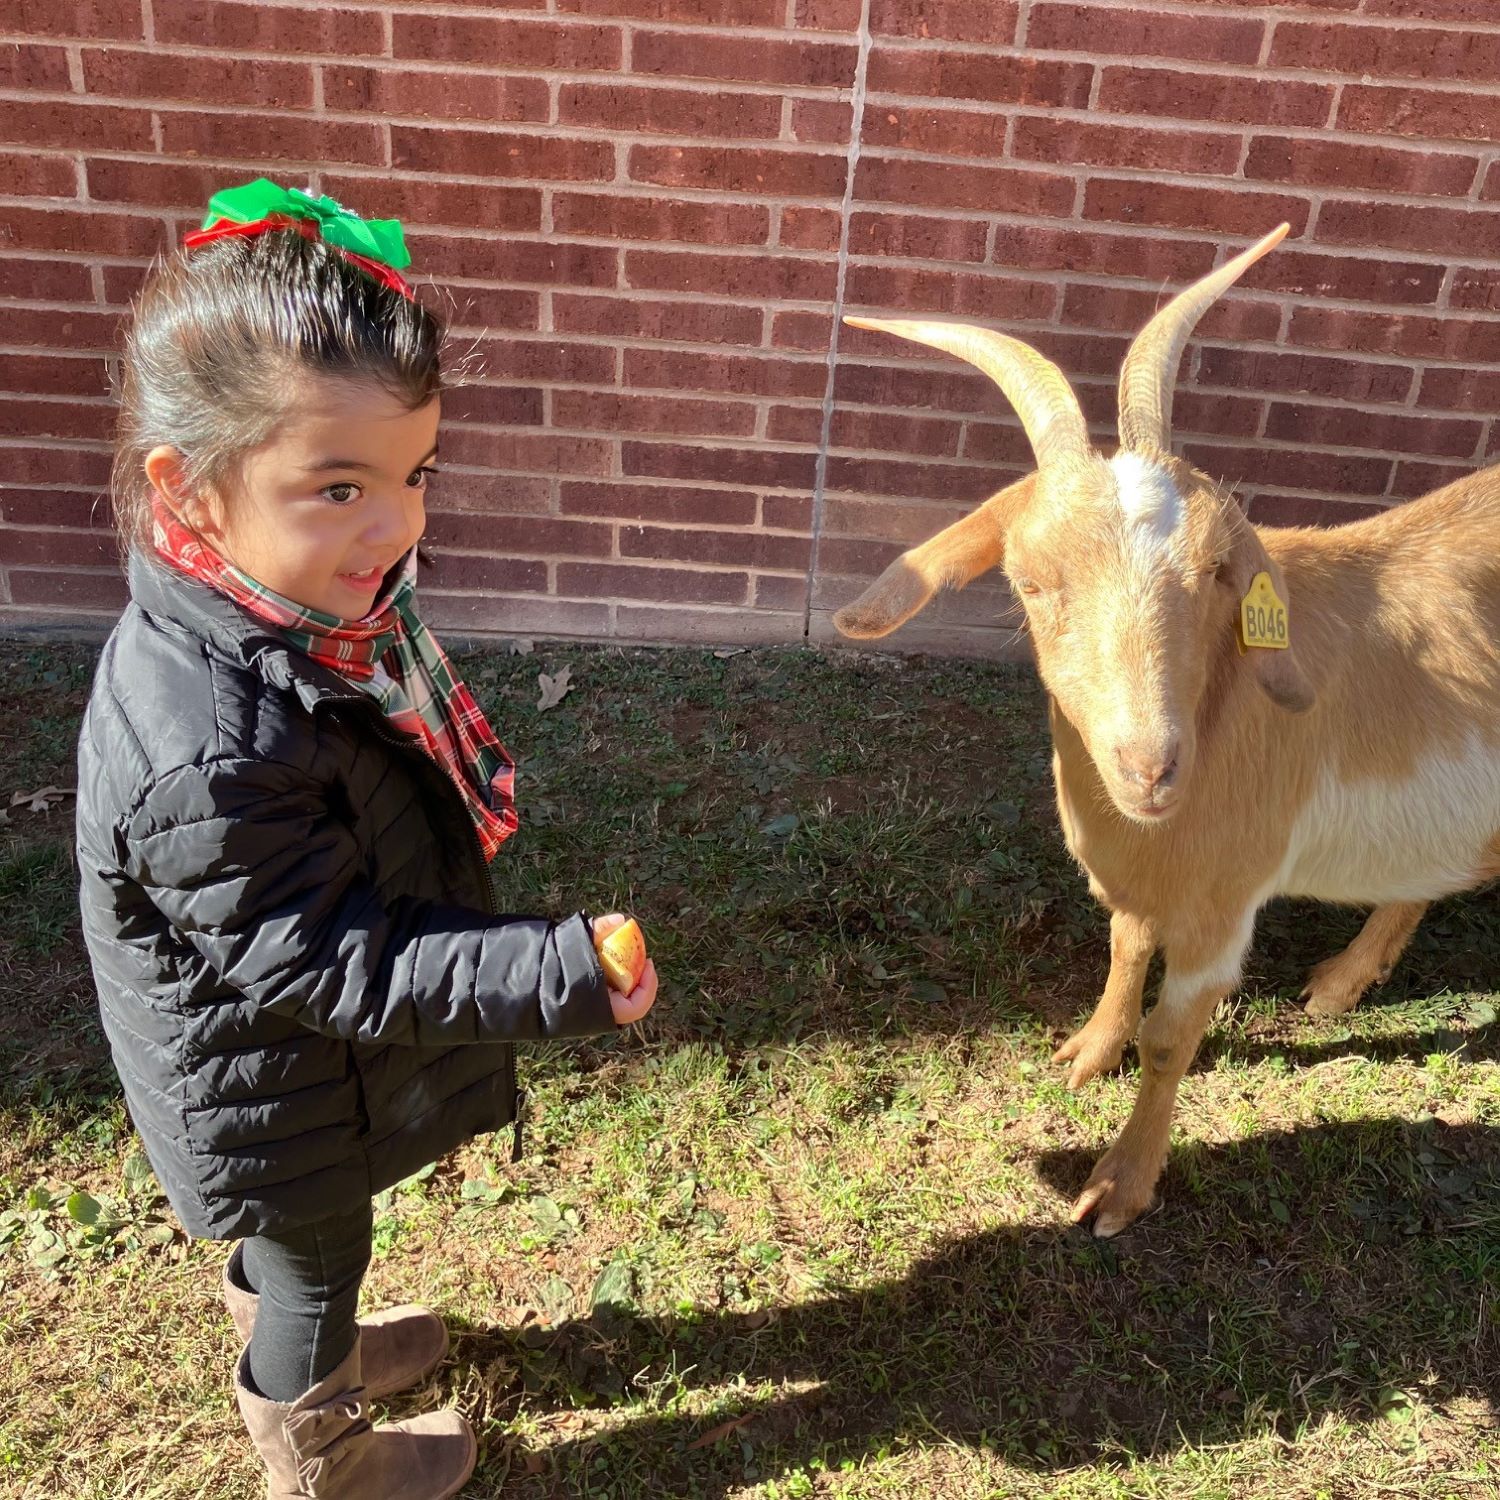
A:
(1150, 368)
(1039, 391)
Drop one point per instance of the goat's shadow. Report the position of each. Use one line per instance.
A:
(1050, 1349)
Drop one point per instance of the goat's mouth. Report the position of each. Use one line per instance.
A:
(1150, 810)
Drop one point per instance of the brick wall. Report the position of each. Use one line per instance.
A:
(646, 215)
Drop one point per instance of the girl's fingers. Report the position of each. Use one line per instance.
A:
(603, 926)
(631, 1007)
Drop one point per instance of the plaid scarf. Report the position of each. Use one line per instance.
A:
(392, 656)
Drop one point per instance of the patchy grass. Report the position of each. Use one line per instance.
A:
(803, 1232)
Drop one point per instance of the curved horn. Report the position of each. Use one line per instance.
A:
(1039, 391)
(1150, 368)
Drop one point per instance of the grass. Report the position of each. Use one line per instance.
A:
(803, 1232)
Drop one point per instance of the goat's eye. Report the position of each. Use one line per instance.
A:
(1026, 586)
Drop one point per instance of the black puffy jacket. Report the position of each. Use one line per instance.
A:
(304, 986)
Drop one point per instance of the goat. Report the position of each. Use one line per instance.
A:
(1236, 713)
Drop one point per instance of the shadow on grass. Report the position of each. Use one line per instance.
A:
(1342, 1271)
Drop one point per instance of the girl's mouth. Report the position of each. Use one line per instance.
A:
(366, 582)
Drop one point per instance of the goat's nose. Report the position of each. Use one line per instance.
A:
(1151, 768)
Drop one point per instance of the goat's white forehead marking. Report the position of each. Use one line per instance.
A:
(1149, 501)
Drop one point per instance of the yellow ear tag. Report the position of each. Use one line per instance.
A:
(1263, 621)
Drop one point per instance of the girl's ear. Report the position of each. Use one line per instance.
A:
(167, 473)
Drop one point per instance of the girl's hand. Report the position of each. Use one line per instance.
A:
(631, 1007)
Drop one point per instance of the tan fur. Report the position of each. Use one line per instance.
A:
(1362, 765)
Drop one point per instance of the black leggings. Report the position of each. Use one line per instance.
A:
(308, 1283)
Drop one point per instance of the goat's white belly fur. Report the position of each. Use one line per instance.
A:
(1374, 840)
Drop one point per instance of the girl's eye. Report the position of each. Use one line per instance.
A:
(342, 494)
(419, 479)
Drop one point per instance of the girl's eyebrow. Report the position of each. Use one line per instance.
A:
(325, 464)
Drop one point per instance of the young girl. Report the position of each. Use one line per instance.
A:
(287, 806)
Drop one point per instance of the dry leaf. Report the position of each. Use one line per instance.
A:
(723, 1430)
(41, 799)
(554, 689)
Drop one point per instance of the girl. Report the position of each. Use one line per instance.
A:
(287, 805)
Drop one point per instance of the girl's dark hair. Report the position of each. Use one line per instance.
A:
(218, 336)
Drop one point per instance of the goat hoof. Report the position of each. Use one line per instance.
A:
(1091, 1054)
(1119, 1190)
(1328, 1002)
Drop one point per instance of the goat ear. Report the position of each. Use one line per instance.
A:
(1279, 673)
(953, 558)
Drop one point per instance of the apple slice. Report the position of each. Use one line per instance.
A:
(622, 955)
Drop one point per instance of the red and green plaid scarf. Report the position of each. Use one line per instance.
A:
(392, 656)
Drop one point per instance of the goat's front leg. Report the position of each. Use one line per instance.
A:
(1336, 984)
(1099, 1044)
(1123, 1184)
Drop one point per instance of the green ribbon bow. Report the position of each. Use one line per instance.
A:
(376, 239)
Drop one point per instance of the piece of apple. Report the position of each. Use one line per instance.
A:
(622, 955)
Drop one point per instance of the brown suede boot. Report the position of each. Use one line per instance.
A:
(398, 1347)
(323, 1446)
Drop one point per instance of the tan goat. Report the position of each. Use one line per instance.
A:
(1353, 757)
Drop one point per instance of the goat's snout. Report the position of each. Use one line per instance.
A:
(1152, 768)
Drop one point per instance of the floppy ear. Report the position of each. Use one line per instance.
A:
(953, 558)
(1279, 673)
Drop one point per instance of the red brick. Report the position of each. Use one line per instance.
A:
(787, 513)
(610, 411)
(1476, 288)
(1433, 10)
(526, 451)
(910, 289)
(25, 65)
(1468, 115)
(505, 575)
(1077, 142)
(534, 536)
(152, 184)
(616, 216)
(1155, 257)
(491, 494)
(812, 331)
(78, 232)
(40, 176)
(71, 549)
(1128, 31)
(739, 465)
(1343, 427)
(886, 476)
(501, 405)
(550, 264)
(633, 501)
(889, 431)
(444, 96)
(1229, 416)
(695, 585)
(1399, 226)
(91, 19)
(59, 419)
(916, 237)
(1308, 510)
(1461, 390)
(705, 625)
(780, 591)
(1081, 354)
(617, 108)
(32, 464)
(995, 78)
(806, 228)
(992, 21)
(938, 132)
(905, 525)
(996, 443)
(802, 63)
(485, 615)
(1205, 94)
(822, 120)
(70, 329)
(734, 374)
(1345, 277)
(419, 201)
(27, 279)
(654, 318)
(728, 548)
(1296, 159)
(796, 424)
(1312, 374)
(896, 386)
(73, 127)
(794, 278)
(53, 375)
(214, 26)
(485, 153)
(684, 12)
(1129, 309)
(95, 592)
(280, 138)
(794, 174)
(54, 508)
(539, 359)
(983, 189)
(197, 80)
(1415, 478)
(1408, 334)
(1292, 468)
(1491, 189)
(486, 42)
(1387, 51)
(1178, 205)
